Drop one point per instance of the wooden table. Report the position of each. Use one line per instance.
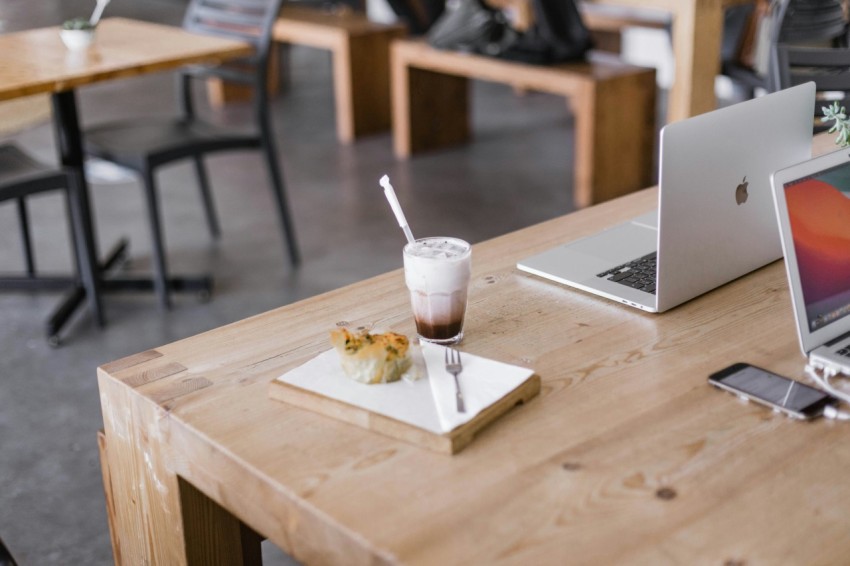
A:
(613, 149)
(360, 52)
(627, 455)
(37, 61)
(122, 48)
(697, 34)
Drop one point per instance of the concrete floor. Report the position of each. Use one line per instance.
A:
(517, 173)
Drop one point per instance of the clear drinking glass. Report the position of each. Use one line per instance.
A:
(437, 272)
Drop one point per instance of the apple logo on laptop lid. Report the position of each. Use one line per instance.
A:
(741, 194)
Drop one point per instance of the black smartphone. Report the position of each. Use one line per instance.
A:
(791, 397)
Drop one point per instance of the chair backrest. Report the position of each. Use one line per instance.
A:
(247, 20)
(794, 61)
(809, 20)
(802, 22)
(829, 68)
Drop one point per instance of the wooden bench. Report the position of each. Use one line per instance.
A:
(613, 104)
(360, 51)
(606, 23)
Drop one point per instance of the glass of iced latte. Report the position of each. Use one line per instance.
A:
(437, 272)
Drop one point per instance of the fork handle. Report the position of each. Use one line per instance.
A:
(461, 408)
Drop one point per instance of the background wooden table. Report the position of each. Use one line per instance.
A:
(36, 61)
(697, 33)
(628, 455)
(122, 48)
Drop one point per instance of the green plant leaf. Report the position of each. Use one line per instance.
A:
(837, 114)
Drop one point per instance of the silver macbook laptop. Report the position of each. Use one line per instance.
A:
(813, 209)
(715, 219)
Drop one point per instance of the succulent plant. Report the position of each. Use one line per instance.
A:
(842, 124)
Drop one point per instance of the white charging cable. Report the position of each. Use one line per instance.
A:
(822, 379)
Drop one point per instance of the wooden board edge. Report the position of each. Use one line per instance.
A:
(449, 443)
(463, 435)
(358, 416)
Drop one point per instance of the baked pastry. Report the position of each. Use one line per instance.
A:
(372, 358)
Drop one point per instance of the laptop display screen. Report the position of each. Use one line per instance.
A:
(819, 213)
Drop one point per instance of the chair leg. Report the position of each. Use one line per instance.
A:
(280, 198)
(24, 219)
(84, 249)
(161, 273)
(5, 556)
(206, 196)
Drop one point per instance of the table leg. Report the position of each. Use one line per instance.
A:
(67, 126)
(697, 36)
(362, 84)
(614, 141)
(155, 516)
(71, 154)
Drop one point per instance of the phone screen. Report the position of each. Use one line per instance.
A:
(778, 391)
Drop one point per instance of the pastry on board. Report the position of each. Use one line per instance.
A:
(372, 358)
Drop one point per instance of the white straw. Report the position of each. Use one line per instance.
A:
(98, 11)
(399, 214)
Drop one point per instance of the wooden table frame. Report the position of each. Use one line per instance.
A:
(42, 64)
(627, 455)
(612, 103)
(697, 33)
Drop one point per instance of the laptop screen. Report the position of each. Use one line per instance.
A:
(819, 214)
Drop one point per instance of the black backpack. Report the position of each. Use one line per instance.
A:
(419, 15)
(558, 33)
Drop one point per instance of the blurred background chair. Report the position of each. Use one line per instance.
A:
(749, 53)
(146, 144)
(21, 177)
(829, 68)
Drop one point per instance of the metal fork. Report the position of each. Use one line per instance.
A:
(454, 367)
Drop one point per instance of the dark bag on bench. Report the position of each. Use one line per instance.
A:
(558, 33)
(473, 27)
(419, 15)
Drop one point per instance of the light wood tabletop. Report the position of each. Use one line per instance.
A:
(37, 61)
(626, 456)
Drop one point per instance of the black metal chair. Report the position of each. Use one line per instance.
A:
(791, 22)
(21, 177)
(145, 144)
(828, 68)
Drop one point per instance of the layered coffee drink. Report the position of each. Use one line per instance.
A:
(437, 272)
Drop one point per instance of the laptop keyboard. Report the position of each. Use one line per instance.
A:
(845, 351)
(638, 273)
